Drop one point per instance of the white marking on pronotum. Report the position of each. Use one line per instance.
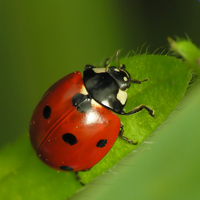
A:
(125, 78)
(117, 70)
(83, 90)
(99, 70)
(95, 104)
(122, 96)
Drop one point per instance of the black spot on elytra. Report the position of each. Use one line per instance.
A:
(81, 102)
(69, 138)
(46, 112)
(66, 168)
(101, 143)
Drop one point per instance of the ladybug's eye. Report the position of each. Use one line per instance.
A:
(69, 138)
(46, 112)
(101, 143)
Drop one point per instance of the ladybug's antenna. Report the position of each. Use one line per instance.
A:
(117, 58)
(137, 81)
(123, 67)
(106, 64)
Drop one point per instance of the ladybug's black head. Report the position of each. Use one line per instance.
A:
(121, 76)
(108, 86)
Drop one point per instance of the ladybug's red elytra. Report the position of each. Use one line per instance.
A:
(74, 125)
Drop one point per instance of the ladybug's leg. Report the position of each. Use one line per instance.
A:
(138, 109)
(89, 67)
(137, 81)
(86, 170)
(78, 178)
(121, 135)
(117, 59)
(106, 63)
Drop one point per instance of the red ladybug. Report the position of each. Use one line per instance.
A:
(74, 125)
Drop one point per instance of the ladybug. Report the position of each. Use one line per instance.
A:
(74, 125)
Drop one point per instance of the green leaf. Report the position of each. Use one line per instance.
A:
(165, 167)
(188, 51)
(24, 176)
(168, 80)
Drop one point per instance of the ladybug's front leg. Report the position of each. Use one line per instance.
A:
(78, 178)
(121, 135)
(89, 67)
(138, 109)
(106, 63)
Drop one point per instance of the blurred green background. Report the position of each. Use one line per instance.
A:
(42, 41)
